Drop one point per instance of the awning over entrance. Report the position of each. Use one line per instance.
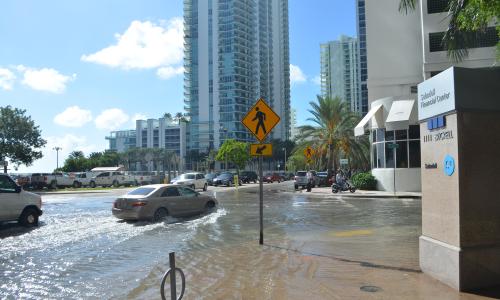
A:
(360, 128)
(399, 115)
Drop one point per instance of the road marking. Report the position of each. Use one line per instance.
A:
(353, 233)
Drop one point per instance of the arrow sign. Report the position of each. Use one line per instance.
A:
(261, 149)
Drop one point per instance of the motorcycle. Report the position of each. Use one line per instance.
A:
(347, 187)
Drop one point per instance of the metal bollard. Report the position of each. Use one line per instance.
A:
(173, 286)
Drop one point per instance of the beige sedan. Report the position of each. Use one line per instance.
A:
(155, 202)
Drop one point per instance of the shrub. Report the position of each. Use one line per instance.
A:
(364, 181)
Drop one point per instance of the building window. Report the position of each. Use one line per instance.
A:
(478, 39)
(407, 155)
(437, 6)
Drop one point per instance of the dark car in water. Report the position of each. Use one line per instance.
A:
(249, 176)
(323, 179)
(226, 178)
(210, 178)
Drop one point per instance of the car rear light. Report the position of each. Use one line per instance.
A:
(139, 204)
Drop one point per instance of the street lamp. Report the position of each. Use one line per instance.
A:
(57, 156)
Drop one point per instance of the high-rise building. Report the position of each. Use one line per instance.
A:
(402, 51)
(236, 51)
(293, 124)
(362, 61)
(340, 71)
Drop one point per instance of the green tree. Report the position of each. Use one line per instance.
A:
(467, 20)
(332, 133)
(76, 162)
(235, 152)
(20, 138)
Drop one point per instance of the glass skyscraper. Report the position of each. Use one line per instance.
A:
(236, 51)
(340, 71)
(363, 65)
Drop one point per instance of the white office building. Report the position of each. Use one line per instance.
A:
(340, 76)
(402, 51)
(236, 51)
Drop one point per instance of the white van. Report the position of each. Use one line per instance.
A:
(17, 204)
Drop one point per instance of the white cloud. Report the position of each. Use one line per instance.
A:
(111, 119)
(45, 79)
(316, 80)
(296, 74)
(68, 143)
(145, 45)
(169, 72)
(6, 79)
(73, 116)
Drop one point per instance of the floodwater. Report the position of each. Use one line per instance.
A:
(313, 243)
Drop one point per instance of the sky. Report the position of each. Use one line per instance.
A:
(83, 68)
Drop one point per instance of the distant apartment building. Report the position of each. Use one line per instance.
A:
(293, 124)
(340, 76)
(122, 140)
(236, 51)
(362, 61)
(402, 51)
(152, 133)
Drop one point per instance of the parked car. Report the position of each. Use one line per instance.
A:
(300, 179)
(17, 204)
(272, 177)
(210, 178)
(249, 176)
(114, 178)
(155, 202)
(141, 177)
(192, 180)
(323, 179)
(22, 180)
(53, 180)
(226, 178)
(82, 179)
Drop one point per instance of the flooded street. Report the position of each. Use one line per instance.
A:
(81, 251)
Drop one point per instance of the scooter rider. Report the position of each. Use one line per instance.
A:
(340, 179)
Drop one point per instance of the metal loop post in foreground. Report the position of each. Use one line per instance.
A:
(173, 287)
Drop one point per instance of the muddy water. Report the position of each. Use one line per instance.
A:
(81, 251)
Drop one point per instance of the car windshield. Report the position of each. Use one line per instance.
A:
(210, 176)
(187, 176)
(226, 175)
(301, 173)
(142, 191)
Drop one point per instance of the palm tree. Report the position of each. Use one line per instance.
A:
(332, 132)
(467, 19)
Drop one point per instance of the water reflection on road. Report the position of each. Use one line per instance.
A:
(81, 251)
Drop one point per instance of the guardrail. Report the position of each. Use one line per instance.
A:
(173, 284)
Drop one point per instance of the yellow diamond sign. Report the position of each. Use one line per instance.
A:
(260, 120)
(309, 152)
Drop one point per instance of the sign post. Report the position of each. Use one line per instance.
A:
(260, 121)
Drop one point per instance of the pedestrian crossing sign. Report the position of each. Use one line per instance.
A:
(260, 120)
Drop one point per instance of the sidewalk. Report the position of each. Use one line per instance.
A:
(366, 194)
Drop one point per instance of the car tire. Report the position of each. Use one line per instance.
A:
(29, 217)
(205, 187)
(53, 185)
(76, 184)
(210, 205)
(296, 187)
(92, 184)
(160, 214)
(193, 187)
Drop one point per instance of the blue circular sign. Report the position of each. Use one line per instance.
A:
(449, 165)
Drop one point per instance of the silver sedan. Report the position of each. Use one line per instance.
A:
(155, 202)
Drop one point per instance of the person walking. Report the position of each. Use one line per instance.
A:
(260, 117)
